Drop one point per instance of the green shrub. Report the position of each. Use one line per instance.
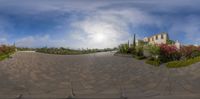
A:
(190, 51)
(139, 57)
(183, 63)
(6, 51)
(153, 50)
(170, 41)
(2, 57)
(164, 52)
(153, 62)
(68, 51)
(25, 49)
(195, 53)
(139, 51)
(123, 48)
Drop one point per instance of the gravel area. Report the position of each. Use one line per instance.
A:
(32, 75)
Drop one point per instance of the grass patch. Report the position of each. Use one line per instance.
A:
(139, 57)
(153, 62)
(6, 51)
(183, 63)
(4, 56)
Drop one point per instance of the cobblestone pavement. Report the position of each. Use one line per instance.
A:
(37, 75)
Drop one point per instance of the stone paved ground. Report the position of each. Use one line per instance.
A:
(36, 75)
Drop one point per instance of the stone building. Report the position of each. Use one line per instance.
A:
(157, 39)
(161, 38)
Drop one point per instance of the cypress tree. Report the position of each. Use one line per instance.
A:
(134, 42)
(128, 43)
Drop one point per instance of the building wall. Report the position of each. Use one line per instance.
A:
(157, 39)
(178, 45)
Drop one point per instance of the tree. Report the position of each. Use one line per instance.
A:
(128, 43)
(134, 42)
(170, 42)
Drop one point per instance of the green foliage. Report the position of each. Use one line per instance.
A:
(153, 49)
(163, 52)
(67, 51)
(195, 53)
(139, 57)
(25, 49)
(183, 63)
(2, 57)
(160, 53)
(141, 43)
(6, 51)
(170, 41)
(124, 48)
(134, 41)
(153, 62)
(188, 52)
(139, 51)
(60, 51)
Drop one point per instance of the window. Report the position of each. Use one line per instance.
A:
(152, 39)
(156, 37)
(162, 36)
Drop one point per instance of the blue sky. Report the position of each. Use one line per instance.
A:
(96, 23)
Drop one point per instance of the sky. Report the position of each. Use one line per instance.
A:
(96, 23)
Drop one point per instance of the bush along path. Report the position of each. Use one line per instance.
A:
(174, 57)
(157, 54)
(183, 63)
(6, 51)
(68, 51)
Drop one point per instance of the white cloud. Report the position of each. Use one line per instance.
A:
(109, 28)
(103, 23)
(32, 41)
(3, 37)
(40, 41)
(3, 41)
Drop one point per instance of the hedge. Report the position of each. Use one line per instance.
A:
(139, 57)
(2, 57)
(153, 62)
(183, 63)
(6, 51)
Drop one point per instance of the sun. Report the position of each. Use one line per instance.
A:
(100, 37)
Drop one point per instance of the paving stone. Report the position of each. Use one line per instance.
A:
(95, 75)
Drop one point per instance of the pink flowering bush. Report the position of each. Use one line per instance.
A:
(162, 53)
(189, 51)
(169, 53)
